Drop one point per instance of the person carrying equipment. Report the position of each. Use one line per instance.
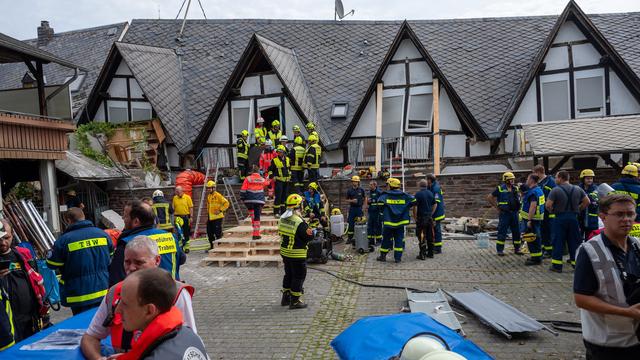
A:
(531, 216)
(259, 132)
(312, 158)
(252, 194)
(216, 206)
(588, 218)
(423, 213)
(296, 159)
(546, 183)
(295, 234)
(279, 171)
(374, 214)
(396, 216)
(630, 185)
(163, 210)
(242, 153)
(505, 198)
(439, 214)
(275, 133)
(355, 197)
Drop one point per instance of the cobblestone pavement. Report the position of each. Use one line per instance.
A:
(239, 316)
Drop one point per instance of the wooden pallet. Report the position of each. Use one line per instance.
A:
(264, 221)
(266, 250)
(246, 231)
(260, 260)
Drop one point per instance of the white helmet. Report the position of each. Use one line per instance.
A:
(284, 138)
(260, 120)
(158, 193)
(443, 355)
(419, 346)
(268, 142)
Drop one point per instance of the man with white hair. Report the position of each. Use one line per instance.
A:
(140, 253)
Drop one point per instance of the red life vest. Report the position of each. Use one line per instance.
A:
(35, 280)
(162, 325)
(117, 331)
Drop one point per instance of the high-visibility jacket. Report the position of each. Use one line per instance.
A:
(82, 254)
(274, 136)
(589, 216)
(312, 156)
(294, 237)
(279, 169)
(435, 188)
(216, 205)
(242, 153)
(163, 211)
(7, 330)
(533, 194)
(265, 160)
(396, 208)
(635, 230)
(630, 187)
(252, 190)
(296, 158)
(121, 339)
(547, 184)
(507, 199)
(260, 132)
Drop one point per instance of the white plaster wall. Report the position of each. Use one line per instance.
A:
(100, 113)
(250, 86)
(557, 58)
(333, 157)
(123, 69)
(585, 54)
(292, 118)
(622, 102)
(172, 154)
(406, 50)
(480, 148)
(448, 117)
(271, 84)
(528, 110)
(569, 32)
(136, 90)
(367, 124)
(220, 133)
(454, 146)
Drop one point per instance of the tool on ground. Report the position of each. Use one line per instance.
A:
(436, 306)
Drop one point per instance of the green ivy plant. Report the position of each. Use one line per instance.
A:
(93, 128)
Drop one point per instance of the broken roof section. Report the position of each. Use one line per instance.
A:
(158, 72)
(81, 167)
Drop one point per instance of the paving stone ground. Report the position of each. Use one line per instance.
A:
(239, 316)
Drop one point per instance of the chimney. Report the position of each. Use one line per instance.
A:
(45, 33)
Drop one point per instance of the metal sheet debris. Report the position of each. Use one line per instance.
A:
(435, 305)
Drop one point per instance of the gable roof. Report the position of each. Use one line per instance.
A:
(14, 51)
(88, 48)
(157, 70)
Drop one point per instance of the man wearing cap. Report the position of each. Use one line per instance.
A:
(242, 153)
(312, 158)
(588, 218)
(396, 216)
(356, 197)
(275, 133)
(217, 204)
(296, 159)
(630, 185)
(279, 171)
(506, 200)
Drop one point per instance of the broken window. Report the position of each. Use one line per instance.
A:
(419, 119)
(589, 96)
(555, 100)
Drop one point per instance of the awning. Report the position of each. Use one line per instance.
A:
(584, 136)
(81, 167)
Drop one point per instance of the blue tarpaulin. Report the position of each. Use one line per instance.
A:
(381, 337)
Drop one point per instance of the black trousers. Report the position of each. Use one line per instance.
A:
(597, 352)
(186, 228)
(23, 328)
(75, 310)
(314, 174)
(281, 193)
(424, 232)
(297, 179)
(214, 230)
(295, 272)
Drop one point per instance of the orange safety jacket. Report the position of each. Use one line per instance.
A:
(162, 325)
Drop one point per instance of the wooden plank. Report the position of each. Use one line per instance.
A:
(436, 126)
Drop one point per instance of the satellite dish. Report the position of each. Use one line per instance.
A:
(339, 11)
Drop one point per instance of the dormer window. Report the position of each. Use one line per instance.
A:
(339, 111)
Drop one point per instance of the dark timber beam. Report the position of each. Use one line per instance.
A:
(560, 164)
(608, 161)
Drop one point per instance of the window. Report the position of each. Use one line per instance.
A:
(140, 114)
(555, 100)
(419, 119)
(589, 96)
(240, 119)
(392, 116)
(339, 110)
(76, 84)
(394, 75)
(118, 114)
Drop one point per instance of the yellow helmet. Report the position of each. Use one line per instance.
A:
(261, 140)
(281, 148)
(336, 211)
(294, 200)
(587, 173)
(313, 186)
(295, 128)
(313, 138)
(244, 133)
(355, 178)
(630, 170)
(179, 221)
(508, 176)
(211, 183)
(275, 123)
(298, 140)
(393, 182)
(310, 126)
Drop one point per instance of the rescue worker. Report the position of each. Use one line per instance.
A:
(311, 129)
(242, 153)
(312, 158)
(423, 213)
(82, 255)
(279, 172)
(296, 159)
(297, 133)
(139, 254)
(163, 210)
(252, 194)
(22, 307)
(138, 220)
(183, 208)
(439, 214)
(374, 215)
(147, 307)
(505, 198)
(73, 200)
(217, 204)
(268, 154)
(179, 235)
(546, 183)
(275, 133)
(531, 216)
(630, 185)
(295, 235)
(588, 218)
(312, 201)
(259, 132)
(284, 141)
(356, 198)
(395, 216)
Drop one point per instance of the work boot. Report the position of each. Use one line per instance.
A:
(397, 261)
(555, 270)
(533, 261)
(423, 253)
(382, 257)
(286, 298)
(296, 303)
(430, 254)
(256, 237)
(437, 251)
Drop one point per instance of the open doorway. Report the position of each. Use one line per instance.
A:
(269, 114)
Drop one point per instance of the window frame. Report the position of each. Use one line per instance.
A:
(339, 117)
(419, 90)
(585, 74)
(555, 78)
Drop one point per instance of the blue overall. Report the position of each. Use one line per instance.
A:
(630, 187)
(533, 194)
(507, 201)
(374, 220)
(588, 218)
(395, 217)
(546, 184)
(355, 210)
(565, 229)
(438, 216)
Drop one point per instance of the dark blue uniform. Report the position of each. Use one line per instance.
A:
(374, 220)
(588, 218)
(533, 195)
(395, 217)
(630, 187)
(547, 184)
(438, 216)
(355, 210)
(82, 255)
(425, 201)
(508, 205)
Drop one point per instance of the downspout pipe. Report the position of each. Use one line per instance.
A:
(64, 85)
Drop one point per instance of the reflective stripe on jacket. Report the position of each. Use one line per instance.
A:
(242, 149)
(534, 194)
(291, 246)
(279, 169)
(216, 205)
(252, 190)
(163, 211)
(296, 157)
(396, 207)
(312, 156)
(439, 215)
